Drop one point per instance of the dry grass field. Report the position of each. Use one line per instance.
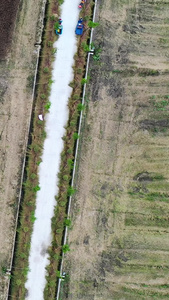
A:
(119, 238)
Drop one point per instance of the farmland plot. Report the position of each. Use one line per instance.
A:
(119, 238)
(18, 56)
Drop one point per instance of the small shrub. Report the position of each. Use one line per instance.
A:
(70, 163)
(54, 50)
(47, 106)
(30, 203)
(36, 148)
(50, 82)
(75, 136)
(50, 43)
(25, 229)
(65, 177)
(39, 162)
(72, 123)
(52, 18)
(83, 81)
(72, 84)
(71, 191)
(59, 230)
(60, 2)
(18, 282)
(52, 283)
(32, 217)
(80, 107)
(75, 97)
(44, 134)
(96, 56)
(3, 270)
(69, 151)
(58, 274)
(43, 96)
(33, 176)
(57, 256)
(92, 46)
(30, 81)
(36, 188)
(27, 184)
(79, 71)
(25, 271)
(85, 47)
(56, 26)
(67, 222)
(62, 203)
(46, 70)
(92, 24)
(65, 248)
(23, 255)
(86, 18)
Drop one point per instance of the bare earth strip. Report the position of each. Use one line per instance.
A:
(16, 78)
(119, 239)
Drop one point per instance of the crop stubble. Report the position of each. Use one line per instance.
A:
(120, 238)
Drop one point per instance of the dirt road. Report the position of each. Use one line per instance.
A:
(119, 238)
(17, 67)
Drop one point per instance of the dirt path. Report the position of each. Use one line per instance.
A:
(16, 78)
(119, 237)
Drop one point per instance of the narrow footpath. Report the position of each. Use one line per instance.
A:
(56, 119)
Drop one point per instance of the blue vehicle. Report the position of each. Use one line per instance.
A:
(79, 27)
(59, 29)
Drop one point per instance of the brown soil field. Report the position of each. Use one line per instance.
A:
(19, 30)
(119, 238)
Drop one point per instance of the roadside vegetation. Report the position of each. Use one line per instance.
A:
(27, 218)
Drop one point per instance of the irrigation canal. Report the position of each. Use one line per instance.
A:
(56, 119)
